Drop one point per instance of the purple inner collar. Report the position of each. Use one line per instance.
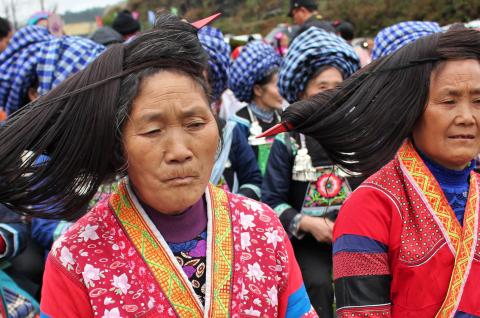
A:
(181, 227)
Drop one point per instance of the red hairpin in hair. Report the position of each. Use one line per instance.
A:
(277, 129)
(201, 23)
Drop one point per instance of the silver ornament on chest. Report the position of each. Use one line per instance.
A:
(255, 130)
(303, 169)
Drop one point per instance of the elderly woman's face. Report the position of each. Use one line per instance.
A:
(448, 131)
(327, 79)
(267, 95)
(170, 142)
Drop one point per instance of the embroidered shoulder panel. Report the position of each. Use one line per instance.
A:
(421, 236)
(126, 287)
(98, 253)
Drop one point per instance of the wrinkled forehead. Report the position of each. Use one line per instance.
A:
(456, 73)
(167, 91)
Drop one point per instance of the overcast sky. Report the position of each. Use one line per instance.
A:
(25, 8)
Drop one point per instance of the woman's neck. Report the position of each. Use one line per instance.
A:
(447, 176)
(262, 113)
(178, 227)
(262, 106)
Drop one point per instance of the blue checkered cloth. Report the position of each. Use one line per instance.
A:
(310, 51)
(394, 37)
(218, 59)
(35, 56)
(255, 61)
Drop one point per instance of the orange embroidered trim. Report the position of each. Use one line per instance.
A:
(165, 272)
(465, 252)
(222, 258)
(463, 240)
(427, 183)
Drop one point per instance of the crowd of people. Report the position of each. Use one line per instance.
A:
(158, 173)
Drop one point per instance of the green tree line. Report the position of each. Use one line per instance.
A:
(368, 16)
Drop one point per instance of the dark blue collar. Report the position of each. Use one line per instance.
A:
(448, 177)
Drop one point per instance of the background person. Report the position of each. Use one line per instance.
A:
(253, 79)
(126, 25)
(305, 14)
(6, 33)
(299, 174)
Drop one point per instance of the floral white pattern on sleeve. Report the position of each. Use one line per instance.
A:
(89, 233)
(120, 284)
(90, 273)
(114, 313)
(66, 258)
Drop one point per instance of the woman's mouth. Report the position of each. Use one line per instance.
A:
(462, 137)
(178, 181)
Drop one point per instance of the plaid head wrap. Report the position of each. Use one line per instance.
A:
(252, 65)
(33, 54)
(394, 37)
(310, 51)
(218, 59)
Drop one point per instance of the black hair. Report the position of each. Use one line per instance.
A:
(310, 8)
(268, 76)
(78, 125)
(362, 124)
(5, 27)
(345, 29)
(323, 68)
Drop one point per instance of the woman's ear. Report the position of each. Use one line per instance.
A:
(257, 90)
(32, 94)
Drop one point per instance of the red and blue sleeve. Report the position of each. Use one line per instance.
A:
(293, 298)
(361, 268)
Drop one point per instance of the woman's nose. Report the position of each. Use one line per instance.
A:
(466, 113)
(178, 150)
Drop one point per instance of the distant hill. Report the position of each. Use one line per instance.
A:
(82, 16)
(369, 16)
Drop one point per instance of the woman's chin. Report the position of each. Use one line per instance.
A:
(178, 201)
(460, 162)
(178, 206)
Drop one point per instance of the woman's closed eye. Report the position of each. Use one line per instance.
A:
(151, 132)
(196, 124)
(448, 101)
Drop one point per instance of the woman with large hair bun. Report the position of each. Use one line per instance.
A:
(300, 182)
(166, 243)
(406, 242)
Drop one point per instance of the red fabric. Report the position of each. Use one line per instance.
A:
(471, 304)
(386, 208)
(380, 311)
(62, 295)
(295, 281)
(96, 265)
(2, 245)
(360, 264)
(3, 311)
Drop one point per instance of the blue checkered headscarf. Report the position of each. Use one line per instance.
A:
(33, 54)
(310, 51)
(255, 61)
(218, 59)
(394, 37)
